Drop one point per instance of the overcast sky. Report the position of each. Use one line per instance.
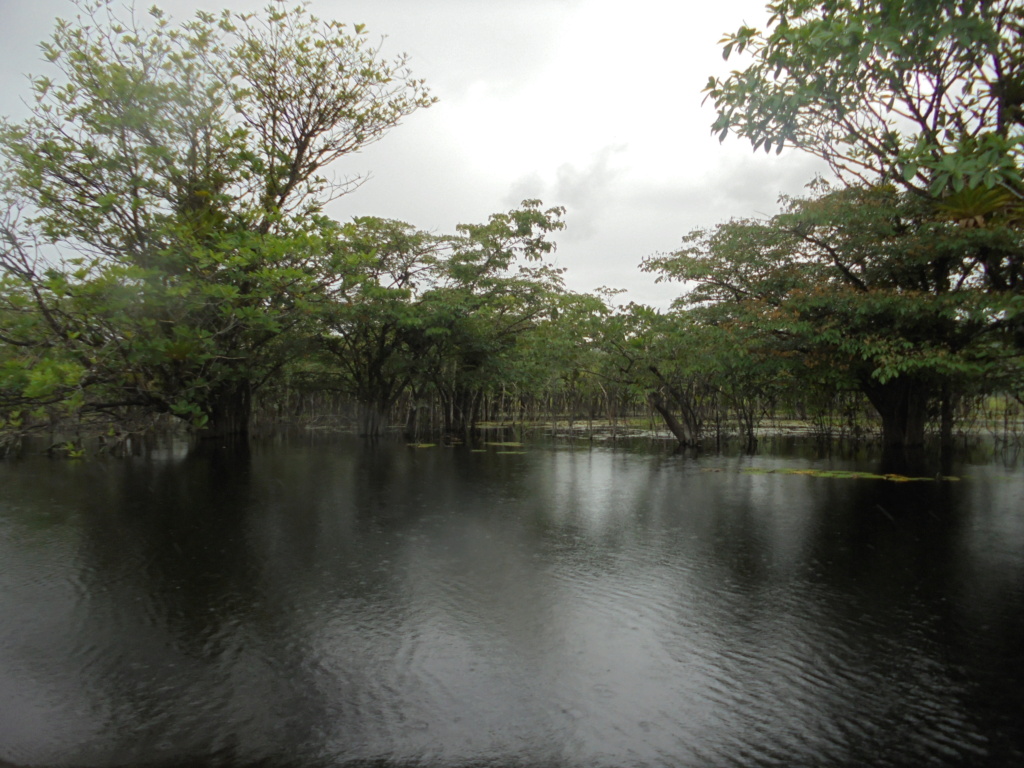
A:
(594, 105)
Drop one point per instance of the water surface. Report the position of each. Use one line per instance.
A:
(338, 604)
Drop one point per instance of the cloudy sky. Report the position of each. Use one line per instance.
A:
(594, 105)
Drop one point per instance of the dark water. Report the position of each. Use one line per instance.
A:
(338, 605)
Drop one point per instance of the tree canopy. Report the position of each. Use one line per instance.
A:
(165, 248)
(925, 95)
(864, 282)
(908, 281)
(181, 171)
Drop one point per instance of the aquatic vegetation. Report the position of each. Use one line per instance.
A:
(843, 474)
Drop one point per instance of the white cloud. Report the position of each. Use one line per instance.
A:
(590, 104)
(587, 193)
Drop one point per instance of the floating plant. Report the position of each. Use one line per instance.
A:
(844, 474)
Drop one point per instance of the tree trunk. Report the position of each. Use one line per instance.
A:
(947, 415)
(903, 405)
(746, 415)
(689, 430)
(461, 405)
(412, 417)
(371, 418)
(229, 412)
(681, 431)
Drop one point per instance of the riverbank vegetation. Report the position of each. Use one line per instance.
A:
(166, 258)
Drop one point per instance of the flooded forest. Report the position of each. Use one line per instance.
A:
(283, 490)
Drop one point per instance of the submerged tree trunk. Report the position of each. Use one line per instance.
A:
(412, 416)
(461, 405)
(229, 412)
(747, 416)
(682, 431)
(947, 415)
(903, 405)
(688, 400)
(371, 419)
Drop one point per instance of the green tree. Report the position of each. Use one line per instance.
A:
(129, 337)
(907, 284)
(435, 316)
(557, 365)
(182, 168)
(667, 356)
(492, 286)
(864, 284)
(370, 330)
(698, 375)
(925, 95)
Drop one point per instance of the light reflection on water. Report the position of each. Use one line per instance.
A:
(340, 603)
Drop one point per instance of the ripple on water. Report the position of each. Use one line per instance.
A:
(645, 632)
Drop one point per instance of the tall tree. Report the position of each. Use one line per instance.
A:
(182, 168)
(909, 280)
(371, 331)
(925, 95)
(865, 283)
(493, 285)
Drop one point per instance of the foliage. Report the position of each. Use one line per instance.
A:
(493, 286)
(561, 360)
(924, 95)
(906, 284)
(442, 316)
(181, 167)
(861, 285)
(367, 330)
(697, 375)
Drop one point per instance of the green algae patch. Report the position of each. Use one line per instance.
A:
(510, 453)
(505, 445)
(422, 445)
(842, 474)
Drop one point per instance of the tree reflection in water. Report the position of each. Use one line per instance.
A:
(332, 603)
